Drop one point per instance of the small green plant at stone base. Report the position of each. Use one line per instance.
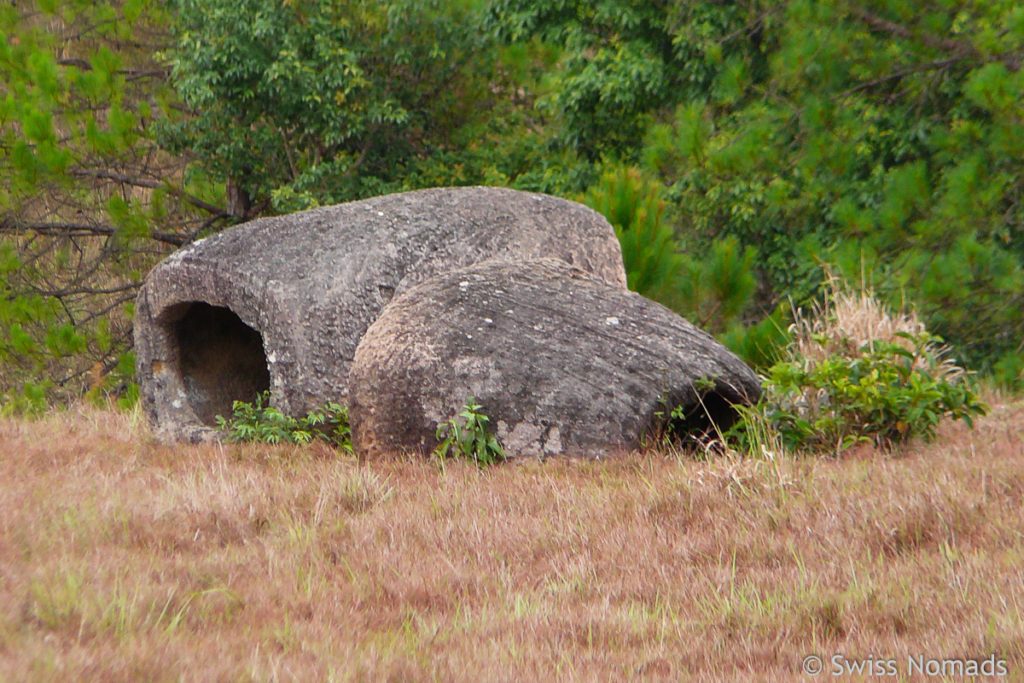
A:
(471, 439)
(259, 421)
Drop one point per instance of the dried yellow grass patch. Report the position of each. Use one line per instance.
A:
(122, 559)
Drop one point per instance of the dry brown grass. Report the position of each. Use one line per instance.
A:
(124, 559)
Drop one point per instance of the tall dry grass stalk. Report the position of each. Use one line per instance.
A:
(125, 559)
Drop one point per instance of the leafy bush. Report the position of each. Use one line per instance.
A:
(259, 421)
(882, 396)
(845, 321)
(856, 373)
(471, 439)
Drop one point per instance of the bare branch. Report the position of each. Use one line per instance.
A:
(75, 61)
(77, 229)
(87, 290)
(152, 184)
(362, 155)
(131, 74)
(138, 74)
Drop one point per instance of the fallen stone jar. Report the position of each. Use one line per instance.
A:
(562, 362)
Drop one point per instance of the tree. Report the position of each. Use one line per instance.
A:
(880, 139)
(86, 197)
(298, 104)
(109, 162)
(624, 60)
(712, 286)
(885, 141)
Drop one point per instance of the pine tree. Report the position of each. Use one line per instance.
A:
(86, 197)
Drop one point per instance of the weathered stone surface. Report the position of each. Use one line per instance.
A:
(282, 302)
(561, 361)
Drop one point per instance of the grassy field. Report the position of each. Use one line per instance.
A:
(121, 558)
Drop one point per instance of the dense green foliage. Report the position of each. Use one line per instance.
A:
(259, 421)
(469, 437)
(882, 137)
(740, 149)
(714, 289)
(300, 104)
(883, 395)
(624, 60)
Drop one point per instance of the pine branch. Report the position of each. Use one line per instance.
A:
(955, 47)
(917, 68)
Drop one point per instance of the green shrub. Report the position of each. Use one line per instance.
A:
(762, 344)
(470, 439)
(259, 421)
(882, 396)
(1008, 372)
(857, 373)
